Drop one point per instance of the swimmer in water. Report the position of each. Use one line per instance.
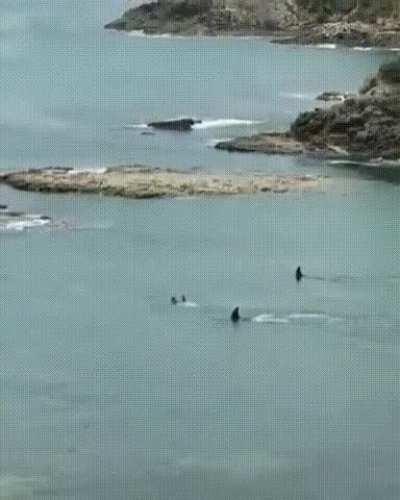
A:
(174, 301)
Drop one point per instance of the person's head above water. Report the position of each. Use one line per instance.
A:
(235, 316)
(173, 300)
(299, 274)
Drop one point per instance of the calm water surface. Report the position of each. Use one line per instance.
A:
(109, 392)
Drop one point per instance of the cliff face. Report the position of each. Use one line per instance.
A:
(316, 21)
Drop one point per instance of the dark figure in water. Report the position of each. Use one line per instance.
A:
(299, 274)
(174, 301)
(183, 298)
(235, 316)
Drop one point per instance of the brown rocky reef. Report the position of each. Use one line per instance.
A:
(144, 182)
(367, 125)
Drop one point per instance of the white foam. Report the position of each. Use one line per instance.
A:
(298, 96)
(308, 316)
(313, 316)
(78, 171)
(136, 33)
(223, 122)
(328, 46)
(142, 34)
(269, 318)
(363, 49)
(21, 225)
(188, 304)
(213, 142)
(136, 125)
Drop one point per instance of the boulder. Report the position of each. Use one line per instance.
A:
(181, 124)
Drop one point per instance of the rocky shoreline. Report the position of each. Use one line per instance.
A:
(206, 17)
(290, 21)
(381, 34)
(367, 125)
(144, 182)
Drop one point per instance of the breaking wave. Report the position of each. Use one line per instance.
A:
(224, 122)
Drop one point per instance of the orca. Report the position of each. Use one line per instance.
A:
(235, 316)
(183, 298)
(299, 274)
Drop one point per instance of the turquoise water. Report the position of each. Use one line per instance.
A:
(109, 392)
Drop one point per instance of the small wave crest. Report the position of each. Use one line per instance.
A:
(188, 304)
(326, 46)
(135, 125)
(312, 316)
(23, 224)
(19, 221)
(298, 96)
(142, 34)
(269, 318)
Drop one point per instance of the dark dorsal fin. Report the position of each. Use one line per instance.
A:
(235, 316)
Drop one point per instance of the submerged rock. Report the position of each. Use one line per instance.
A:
(181, 124)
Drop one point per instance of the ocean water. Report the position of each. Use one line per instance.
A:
(107, 391)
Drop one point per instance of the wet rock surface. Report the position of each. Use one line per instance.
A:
(264, 143)
(180, 125)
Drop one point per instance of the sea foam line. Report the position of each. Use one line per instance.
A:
(23, 224)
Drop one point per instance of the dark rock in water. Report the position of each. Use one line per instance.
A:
(264, 143)
(13, 214)
(44, 217)
(182, 124)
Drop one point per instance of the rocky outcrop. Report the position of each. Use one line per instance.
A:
(142, 182)
(208, 16)
(351, 22)
(264, 143)
(367, 125)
